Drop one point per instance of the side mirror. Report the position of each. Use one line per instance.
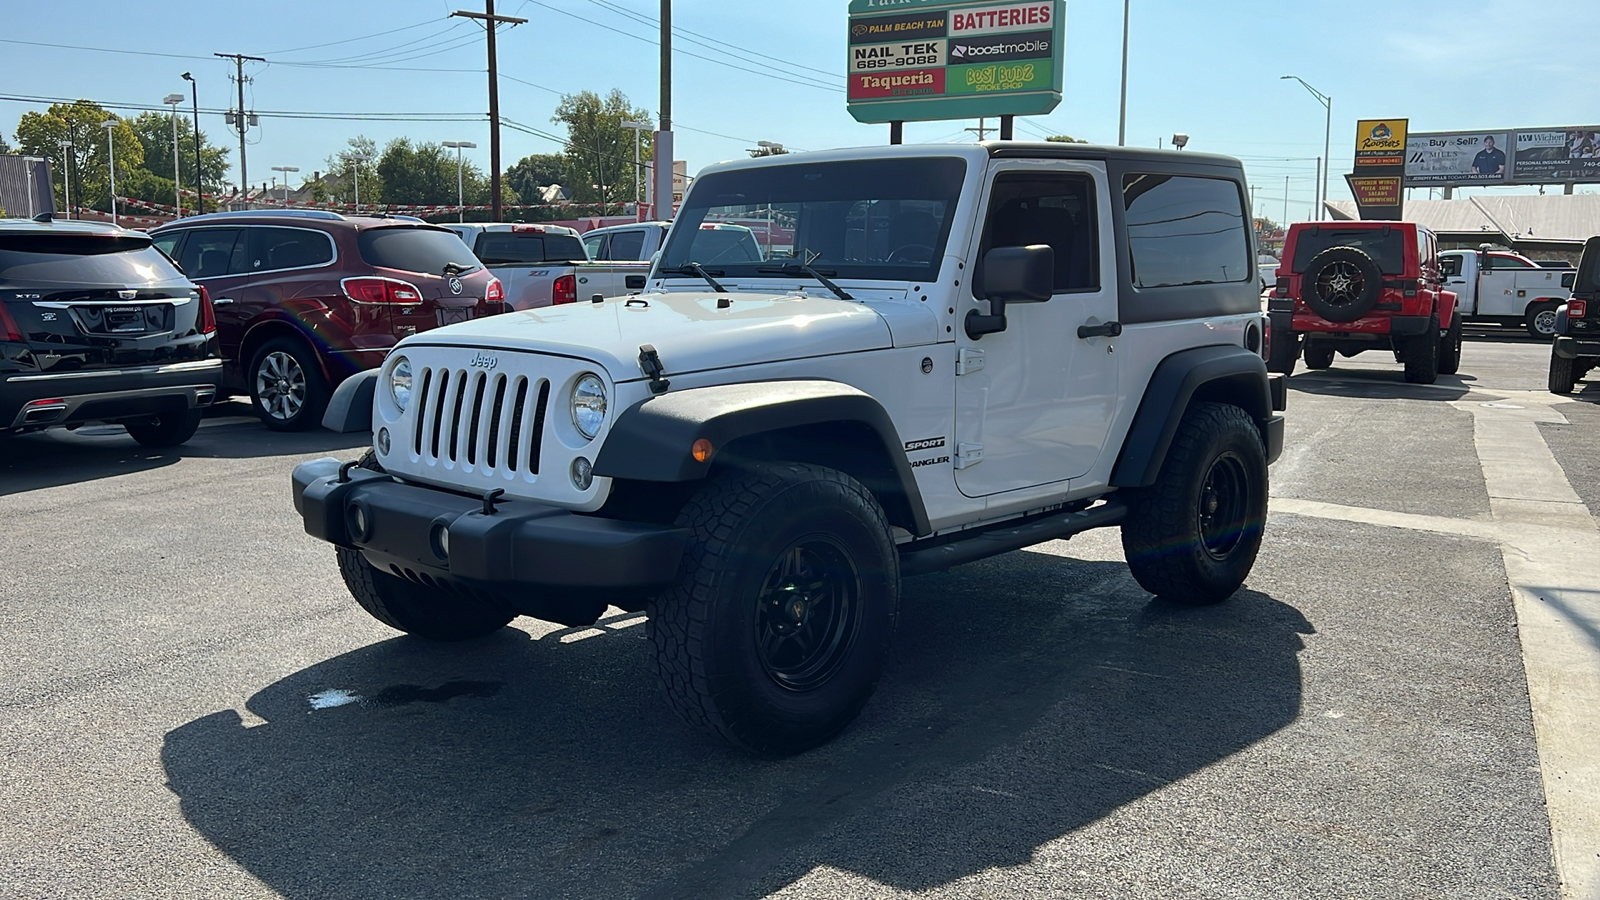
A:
(1012, 275)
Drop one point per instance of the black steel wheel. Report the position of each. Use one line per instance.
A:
(1341, 284)
(775, 635)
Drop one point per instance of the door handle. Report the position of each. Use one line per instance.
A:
(221, 301)
(1105, 329)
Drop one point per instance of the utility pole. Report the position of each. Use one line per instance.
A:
(663, 154)
(490, 20)
(981, 130)
(238, 61)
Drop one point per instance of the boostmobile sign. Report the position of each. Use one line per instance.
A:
(918, 60)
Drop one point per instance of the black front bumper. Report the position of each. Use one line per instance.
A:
(521, 545)
(1569, 347)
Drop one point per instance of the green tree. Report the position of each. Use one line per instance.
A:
(423, 174)
(600, 151)
(352, 173)
(155, 136)
(539, 170)
(80, 123)
(1065, 139)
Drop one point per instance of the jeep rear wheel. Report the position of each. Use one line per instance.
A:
(1192, 537)
(1341, 284)
(776, 632)
(1562, 376)
(1450, 347)
(424, 612)
(1420, 353)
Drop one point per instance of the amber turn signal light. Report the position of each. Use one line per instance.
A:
(701, 451)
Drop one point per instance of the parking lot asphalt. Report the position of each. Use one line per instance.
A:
(192, 706)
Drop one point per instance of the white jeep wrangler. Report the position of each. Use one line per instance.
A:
(945, 353)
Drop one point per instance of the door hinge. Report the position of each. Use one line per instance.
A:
(969, 361)
(968, 455)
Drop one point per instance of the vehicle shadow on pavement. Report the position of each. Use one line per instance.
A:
(1372, 384)
(1024, 700)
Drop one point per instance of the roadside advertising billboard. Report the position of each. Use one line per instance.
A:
(1517, 156)
(1380, 166)
(920, 60)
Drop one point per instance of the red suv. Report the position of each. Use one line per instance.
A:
(1347, 287)
(306, 298)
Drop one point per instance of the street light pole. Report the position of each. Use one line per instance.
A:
(199, 195)
(66, 175)
(1122, 114)
(637, 128)
(355, 160)
(461, 193)
(285, 170)
(111, 165)
(1327, 139)
(173, 100)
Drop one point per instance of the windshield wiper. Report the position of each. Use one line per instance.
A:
(804, 268)
(455, 268)
(694, 268)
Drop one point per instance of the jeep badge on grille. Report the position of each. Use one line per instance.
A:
(484, 361)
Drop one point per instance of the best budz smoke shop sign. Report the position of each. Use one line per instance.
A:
(918, 60)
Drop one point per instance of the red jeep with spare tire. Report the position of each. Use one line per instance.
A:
(1346, 287)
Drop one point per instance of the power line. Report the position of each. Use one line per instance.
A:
(354, 39)
(276, 114)
(208, 59)
(715, 44)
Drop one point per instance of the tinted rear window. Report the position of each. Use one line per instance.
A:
(57, 259)
(508, 247)
(414, 249)
(1388, 250)
(1185, 230)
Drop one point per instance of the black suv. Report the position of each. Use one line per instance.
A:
(96, 325)
(1577, 345)
(306, 298)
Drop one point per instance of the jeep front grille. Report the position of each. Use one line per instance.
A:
(480, 420)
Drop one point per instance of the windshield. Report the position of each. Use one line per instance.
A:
(70, 259)
(415, 250)
(875, 219)
(1387, 247)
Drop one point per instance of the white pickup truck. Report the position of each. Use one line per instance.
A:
(725, 243)
(1504, 288)
(546, 265)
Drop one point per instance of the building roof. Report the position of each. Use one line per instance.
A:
(1520, 219)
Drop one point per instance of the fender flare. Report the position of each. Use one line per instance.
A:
(1224, 371)
(651, 440)
(350, 408)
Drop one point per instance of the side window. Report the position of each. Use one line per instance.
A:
(626, 244)
(210, 253)
(1450, 266)
(596, 245)
(1508, 262)
(168, 243)
(287, 248)
(1057, 210)
(1185, 230)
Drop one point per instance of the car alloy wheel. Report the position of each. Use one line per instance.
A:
(281, 385)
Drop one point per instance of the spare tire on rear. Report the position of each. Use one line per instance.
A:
(1341, 284)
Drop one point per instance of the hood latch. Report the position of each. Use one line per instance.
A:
(650, 365)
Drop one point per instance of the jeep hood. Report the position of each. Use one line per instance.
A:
(688, 330)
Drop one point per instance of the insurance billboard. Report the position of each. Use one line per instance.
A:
(920, 60)
(1505, 156)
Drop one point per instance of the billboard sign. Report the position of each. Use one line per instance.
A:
(921, 60)
(1551, 155)
(1457, 158)
(1380, 168)
(1380, 142)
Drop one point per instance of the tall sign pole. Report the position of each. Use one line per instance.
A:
(663, 153)
(490, 20)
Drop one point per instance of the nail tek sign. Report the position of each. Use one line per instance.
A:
(919, 60)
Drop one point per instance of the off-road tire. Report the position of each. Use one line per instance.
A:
(1420, 353)
(168, 429)
(1192, 537)
(1562, 375)
(1540, 321)
(1341, 284)
(716, 632)
(1282, 351)
(1319, 356)
(412, 608)
(305, 384)
(1450, 347)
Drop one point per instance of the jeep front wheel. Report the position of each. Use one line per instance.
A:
(1192, 537)
(776, 633)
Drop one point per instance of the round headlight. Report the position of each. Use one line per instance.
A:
(400, 382)
(589, 405)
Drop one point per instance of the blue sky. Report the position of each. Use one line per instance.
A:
(1209, 68)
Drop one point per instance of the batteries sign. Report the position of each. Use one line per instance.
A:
(919, 60)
